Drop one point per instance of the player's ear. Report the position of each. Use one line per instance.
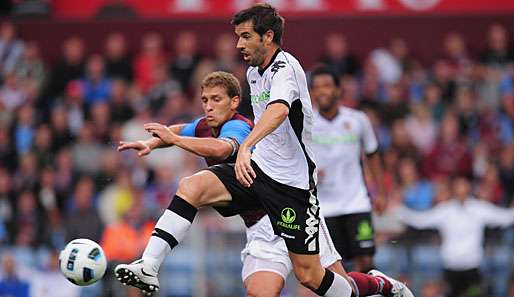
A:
(268, 37)
(235, 102)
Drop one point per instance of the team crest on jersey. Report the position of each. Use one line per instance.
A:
(347, 125)
(276, 66)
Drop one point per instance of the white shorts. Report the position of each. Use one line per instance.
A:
(265, 251)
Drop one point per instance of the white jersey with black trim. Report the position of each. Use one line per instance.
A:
(338, 146)
(285, 154)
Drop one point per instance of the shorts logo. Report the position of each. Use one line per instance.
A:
(364, 231)
(288, 217)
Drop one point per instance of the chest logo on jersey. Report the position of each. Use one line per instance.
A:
(276, 66)
(262, 97)
(347, 126)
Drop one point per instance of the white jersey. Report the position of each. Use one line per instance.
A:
(285, 154)
(338, 145)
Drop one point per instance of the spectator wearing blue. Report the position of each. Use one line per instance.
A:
(417, 193)
(97, 86)
(10, 282)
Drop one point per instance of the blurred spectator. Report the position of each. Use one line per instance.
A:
(61, 134)
(46, 193)
(12, 94)
(29, 222)
(506, 119)
(125, 238)
(433, 99)
(465, 107)
(227, 57)
(30, 67)
(507, 174)
(7, 201)
(391, 61)
(337, 55)
(70, 67)
(349, 91)
(401, 143)
(11, 284)
(117, 59)
(116, 199)
(45, 283)
(8, 154)
(456, 52)
(83, 220)
(461, 222)
(42, 147)
(74, 104)
(64, 174)
(396, 107)
(498, 53)
(186, 59)
(176, 109)
(449, 156)
(444, 77)
(121, 110)
(26, 176)
(164, 86)
(11, 47)
(100, 117)
(489, 187)
(150, 57)
(86, 151)
(97, 86)
(420, 122)
(417, 193)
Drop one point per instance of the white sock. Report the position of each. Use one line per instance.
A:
(170, 229)
(339, 288)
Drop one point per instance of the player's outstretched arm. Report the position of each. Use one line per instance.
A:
(205, 147)
(271, 118)
(144, 147)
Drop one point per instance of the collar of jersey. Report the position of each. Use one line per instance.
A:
(261, 71)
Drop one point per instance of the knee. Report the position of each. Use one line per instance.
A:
(258, 290)
(191, 189)
(306, 275)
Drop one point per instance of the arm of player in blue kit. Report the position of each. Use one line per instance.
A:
(189, 129)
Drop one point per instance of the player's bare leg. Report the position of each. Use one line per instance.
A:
(264, 284)
(198, 190)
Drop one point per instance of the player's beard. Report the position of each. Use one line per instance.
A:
(257, 57)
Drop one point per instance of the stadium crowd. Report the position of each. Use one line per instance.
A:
(443, 128)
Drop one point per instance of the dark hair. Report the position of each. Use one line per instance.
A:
(325, 70)
(223, 79)
(264, 17)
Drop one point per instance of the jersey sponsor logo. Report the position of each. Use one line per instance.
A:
(338, 139)
(312, 223)
(288, 216)
(364, 230)
(264, 96)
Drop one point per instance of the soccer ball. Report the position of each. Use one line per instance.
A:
(82, 262)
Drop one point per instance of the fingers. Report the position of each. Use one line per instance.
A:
(126, 145)
(244, 171)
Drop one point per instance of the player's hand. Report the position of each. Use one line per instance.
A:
(244, 171)
(140, 146)
(161, 131)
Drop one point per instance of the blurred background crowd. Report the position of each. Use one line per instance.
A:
(62, 178)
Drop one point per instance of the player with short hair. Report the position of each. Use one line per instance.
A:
(284, 186)
(342, 136)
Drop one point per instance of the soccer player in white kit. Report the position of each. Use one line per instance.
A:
(341, 138)
(281, 175)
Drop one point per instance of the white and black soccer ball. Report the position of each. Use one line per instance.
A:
(82, 262)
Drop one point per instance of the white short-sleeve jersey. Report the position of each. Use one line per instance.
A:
(338, 146)
(285, 154)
